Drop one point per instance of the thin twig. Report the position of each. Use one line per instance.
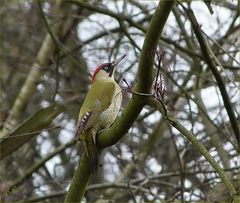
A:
(211, 60)
(220, 47)
(32, 133)
(128, 89)
(36, 166)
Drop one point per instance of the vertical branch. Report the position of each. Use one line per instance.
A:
(121, 126)
(150, 45)
(145, 77)
(79, 181)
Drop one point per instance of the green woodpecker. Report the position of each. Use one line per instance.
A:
(99, 109)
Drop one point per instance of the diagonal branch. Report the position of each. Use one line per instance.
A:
(144, 78)
(211, 60)
(38, 165)
(173, 122)
(134, 107)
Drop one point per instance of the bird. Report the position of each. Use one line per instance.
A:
(99, 110)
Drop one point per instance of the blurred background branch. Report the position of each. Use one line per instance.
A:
(144, 165)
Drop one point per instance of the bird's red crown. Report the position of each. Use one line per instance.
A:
(97, 70)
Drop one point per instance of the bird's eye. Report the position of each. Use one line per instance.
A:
(106, 68)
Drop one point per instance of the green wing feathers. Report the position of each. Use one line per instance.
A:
(99, 97)
(97, 100)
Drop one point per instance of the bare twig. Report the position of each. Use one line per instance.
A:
(32, 133)
(211, 60)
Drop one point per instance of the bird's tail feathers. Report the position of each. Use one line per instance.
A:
(92, 151)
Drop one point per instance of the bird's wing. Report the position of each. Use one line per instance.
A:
(97, 100)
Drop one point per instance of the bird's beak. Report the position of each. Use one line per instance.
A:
(114, 65)
(117, 61)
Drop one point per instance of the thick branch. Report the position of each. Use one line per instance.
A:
(133, 109)
(79, 181)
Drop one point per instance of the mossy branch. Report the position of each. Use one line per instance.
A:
(144, 79)
(134, 107)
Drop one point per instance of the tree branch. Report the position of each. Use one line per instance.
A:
(38, 165)
(173, 122)
(133, 109)
(211, 60)
(79, 181)
(145, 78)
